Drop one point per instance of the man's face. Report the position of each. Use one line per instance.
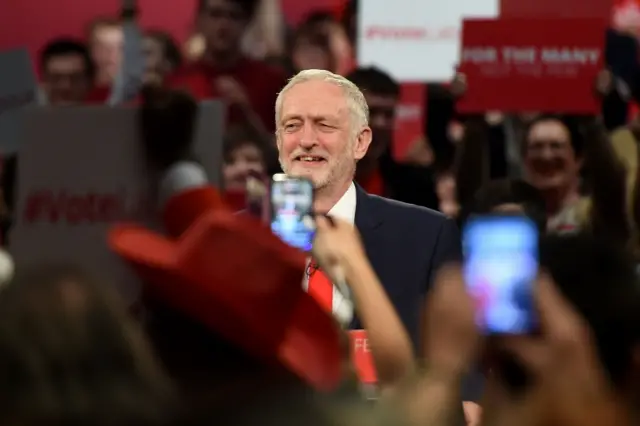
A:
(382, 109)
(316, 135)
(549, 158)
(222, 24)
(106, 49)
(65, 80)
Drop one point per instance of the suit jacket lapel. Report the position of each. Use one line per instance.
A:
(368, 221)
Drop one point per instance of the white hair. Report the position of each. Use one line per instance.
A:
(355, 99)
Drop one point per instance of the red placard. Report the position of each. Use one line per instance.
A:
(410, 118)
(521, 65)
(362, 357)
(555, 9)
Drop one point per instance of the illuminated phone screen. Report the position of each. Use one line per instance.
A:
(291, 208)
(501, 265)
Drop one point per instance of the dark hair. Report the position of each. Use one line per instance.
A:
(314, 37)
(170, 49)
(508, 191)
(217, 378)
(318, 17)
(249, 7)
(374, 81)
(599, 281)
(66, 47)
(167, 122)
(569, 122)
(238, 136)
(71, 355)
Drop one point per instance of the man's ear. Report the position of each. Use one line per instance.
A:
(363, 140)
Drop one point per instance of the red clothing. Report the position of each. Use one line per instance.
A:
(373, 184)
(261, 81)
(98, 95)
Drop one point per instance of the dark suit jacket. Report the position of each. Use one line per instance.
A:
(406, 245)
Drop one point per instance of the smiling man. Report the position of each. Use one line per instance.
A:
(322, 132)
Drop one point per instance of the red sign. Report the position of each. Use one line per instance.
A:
(362, 357)
(523, 65)
(555, 9)
(409, 119)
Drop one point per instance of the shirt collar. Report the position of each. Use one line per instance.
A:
(345, 208)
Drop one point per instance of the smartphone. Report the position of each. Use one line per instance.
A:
(291, 211)
(500, 269)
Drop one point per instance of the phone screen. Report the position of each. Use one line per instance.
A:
(291, 208)
(501, 265)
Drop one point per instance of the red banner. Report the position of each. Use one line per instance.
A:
(555, 9)
(409, 119)
(362, 357)
(521, 65)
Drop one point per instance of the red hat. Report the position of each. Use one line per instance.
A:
(233, 275)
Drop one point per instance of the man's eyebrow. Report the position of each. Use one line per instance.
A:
(291, 117)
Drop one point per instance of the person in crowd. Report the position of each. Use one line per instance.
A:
(70, 354)
(579, 369)
(244, 154)
(265, 35)
(324, 22)
(335, 246)
(310, 49)
(105, 39)
(224, 71)
(378, 172)
(554, 152)
(67, 72)
(323, 131)
(508, 196)
(582, 367)
(162, 56)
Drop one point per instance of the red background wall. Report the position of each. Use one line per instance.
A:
(31, 23)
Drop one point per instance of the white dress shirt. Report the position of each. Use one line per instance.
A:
(344, 209)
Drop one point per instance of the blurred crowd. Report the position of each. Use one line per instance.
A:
(71, 352)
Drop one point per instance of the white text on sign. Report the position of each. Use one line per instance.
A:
(530, 55)
(361, 344)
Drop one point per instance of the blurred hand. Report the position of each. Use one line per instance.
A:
(419, 153)
(564, 363)
(472, 413)
(336, 244)
(232, 91)
(604, 83)
(451, 338)
(458, 86)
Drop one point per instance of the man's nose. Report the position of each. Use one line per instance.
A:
(309, 137)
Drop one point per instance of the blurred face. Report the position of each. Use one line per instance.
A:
(550, 161)
(65, 80)
(106, 49)
(243, 161)
(222, 24)
(317, 137)
(382, 111)
(153, 54)
(307, 56)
